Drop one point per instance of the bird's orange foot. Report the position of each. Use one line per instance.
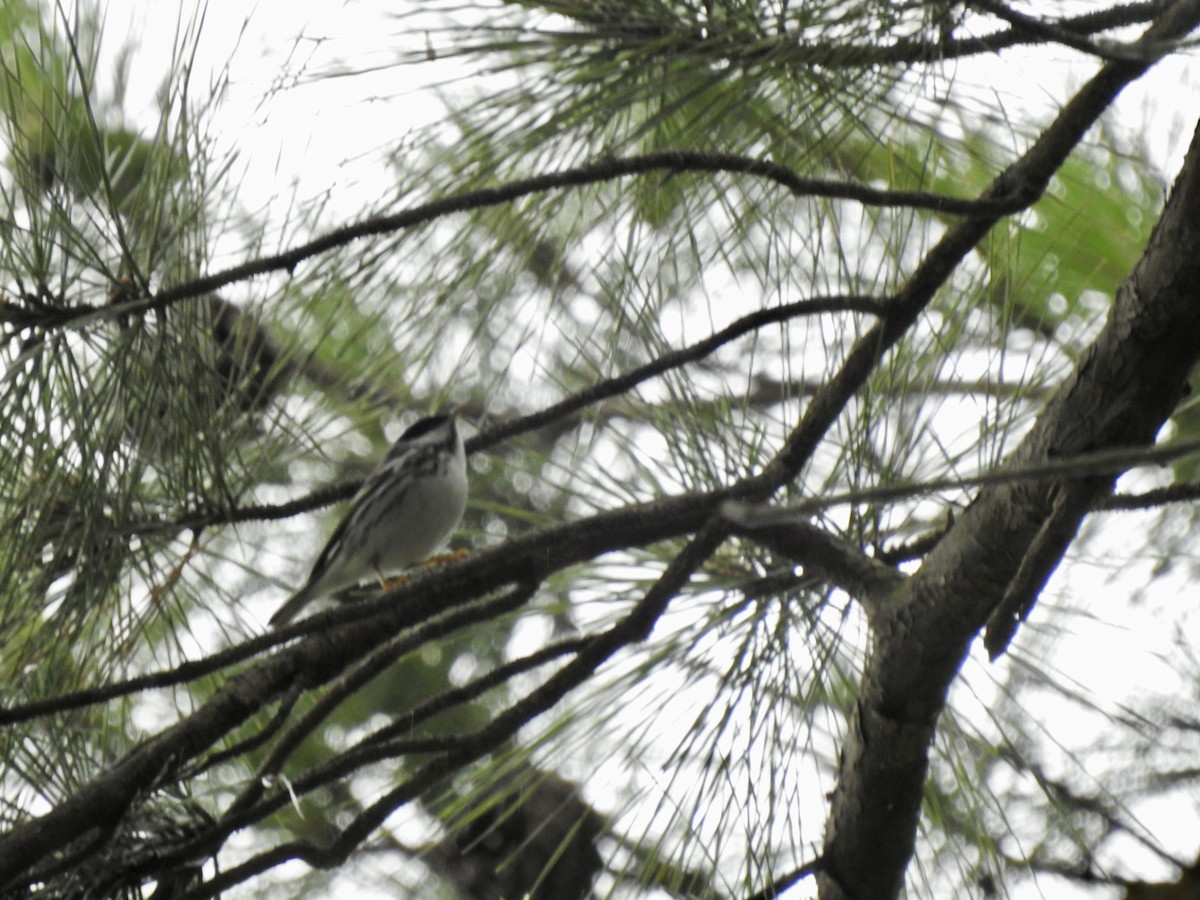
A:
(444, 559)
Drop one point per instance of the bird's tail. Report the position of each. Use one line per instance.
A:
(294, 605)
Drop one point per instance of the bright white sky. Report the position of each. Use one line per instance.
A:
(306, 131)
(296, 142)
(292, 124)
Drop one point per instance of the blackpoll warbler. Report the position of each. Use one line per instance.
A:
(403, 511)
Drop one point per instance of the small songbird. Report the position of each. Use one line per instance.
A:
(403, 511)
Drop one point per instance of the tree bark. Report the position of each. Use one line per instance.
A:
(1122, 392)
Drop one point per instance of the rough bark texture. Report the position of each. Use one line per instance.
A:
(1120, 395)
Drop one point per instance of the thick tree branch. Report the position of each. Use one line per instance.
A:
(1120, 395)
(872, 583)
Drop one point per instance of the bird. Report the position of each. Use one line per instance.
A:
(404, 510)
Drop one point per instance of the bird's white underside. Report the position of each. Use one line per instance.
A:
(438, 502)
